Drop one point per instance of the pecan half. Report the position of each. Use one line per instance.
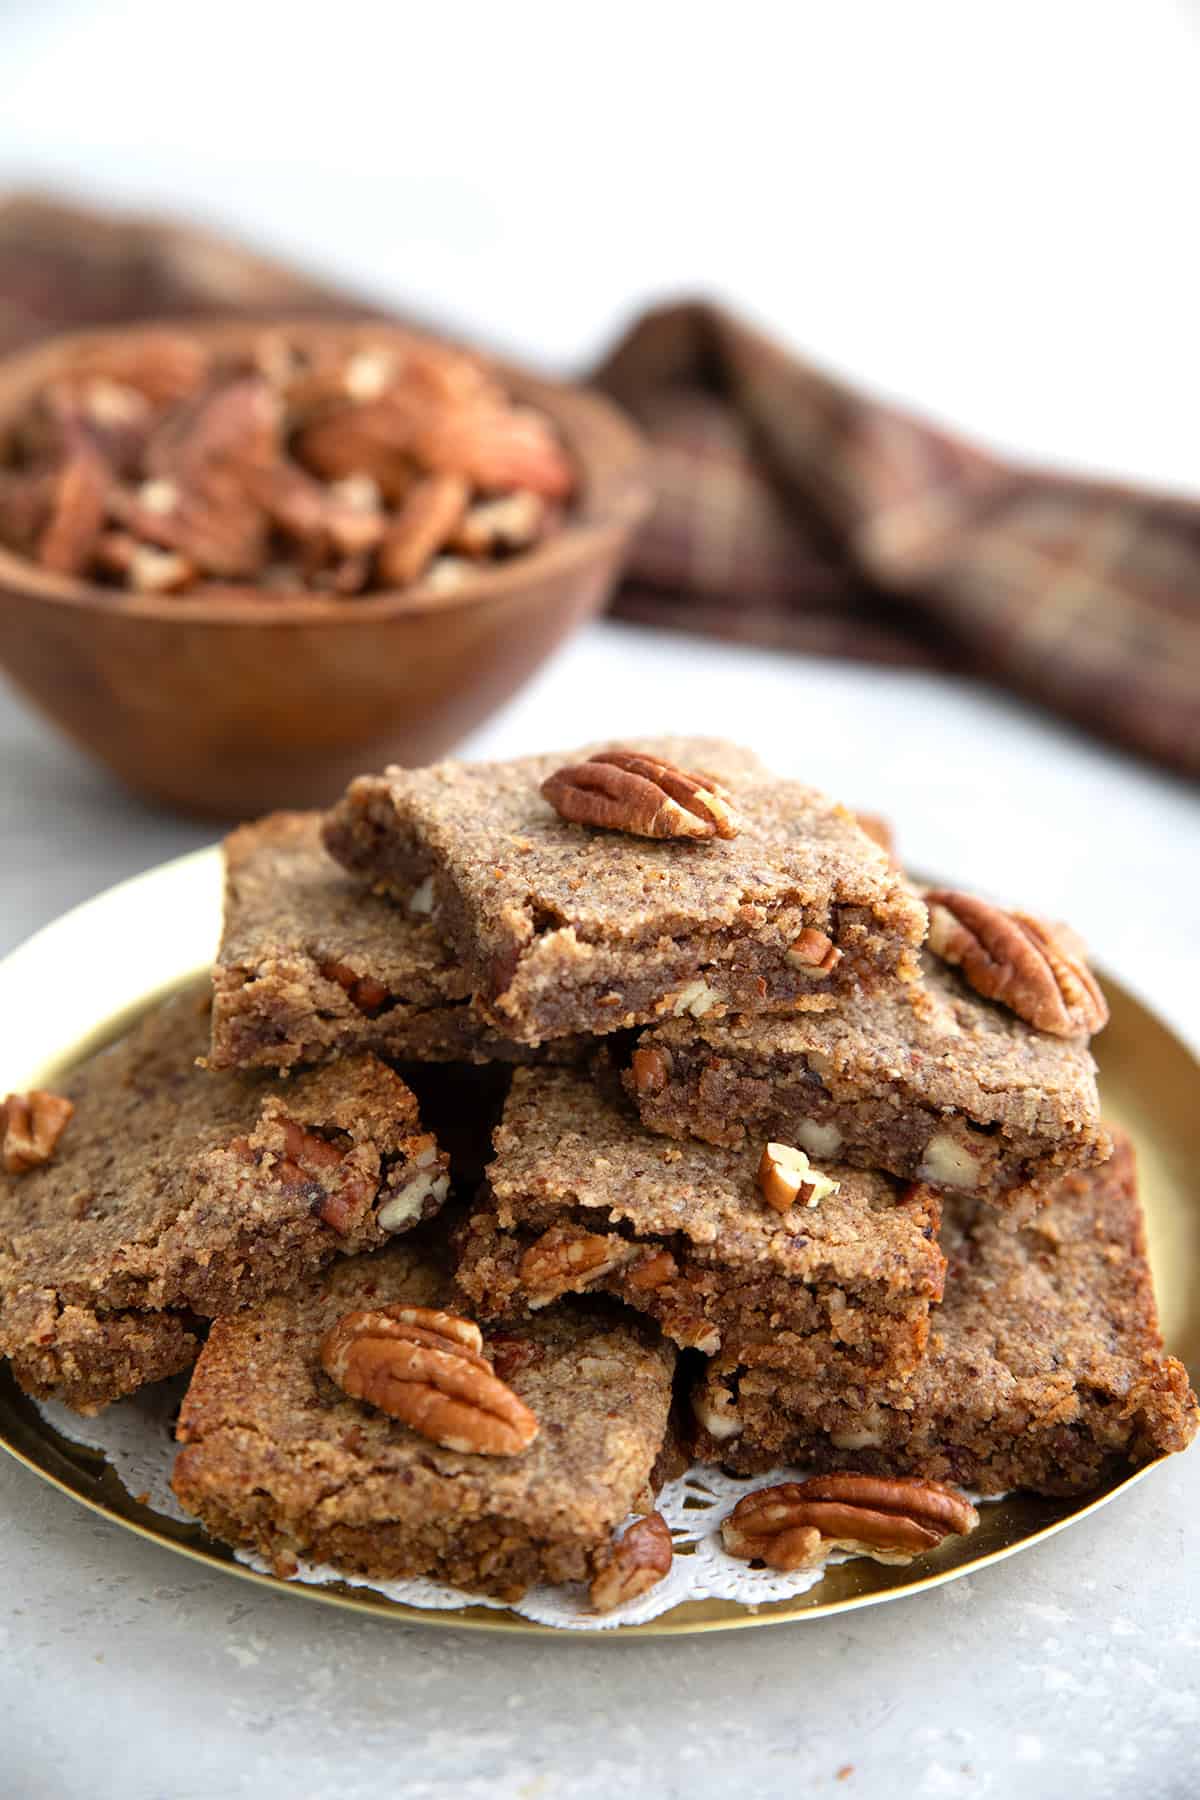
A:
(426, 1369)
(1018, 961)
(564, 1261)
(511, 1354)
(165, 366)
(339, 515)
(785, 1175)
(496, 447)
(214, 523)
(622, 791)
(32, 1125)
(76, 516)
(632, 1564)
(233, 422)
(796, 1524)
(426, 520)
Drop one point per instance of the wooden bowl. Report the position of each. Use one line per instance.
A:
(229, 706)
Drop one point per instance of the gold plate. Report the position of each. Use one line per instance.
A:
(72, 987)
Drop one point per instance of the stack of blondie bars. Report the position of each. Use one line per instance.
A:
(550, 1124)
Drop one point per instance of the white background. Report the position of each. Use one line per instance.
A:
(989, 211)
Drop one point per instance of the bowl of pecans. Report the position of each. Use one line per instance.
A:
(240, 563)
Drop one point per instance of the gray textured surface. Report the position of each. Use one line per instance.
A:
(1071, 1669)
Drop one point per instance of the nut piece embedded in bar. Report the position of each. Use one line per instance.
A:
(565, 1261)
(785, 1175)
(815, 952)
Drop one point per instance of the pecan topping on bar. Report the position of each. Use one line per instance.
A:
(563, 1261)
(785, 1175)
(426, 1368)
(31, 1125)
(622, 791)
(797, 1524)
(1016, 960)
(633, 1564)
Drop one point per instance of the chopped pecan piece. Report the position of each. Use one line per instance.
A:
(24, 504)
(785, 1175)
(32, 1125)
(797, 1524)
(511, 522)
(622, 791)
(815, 952)
(654, 1271)
(565, 1261)
(364, 992)
(651, 1069)
(511, 1354)
(1018, 961)
(632, 1564)
(214, 524)
(426, 1369)
(143, 567)
(165, 366)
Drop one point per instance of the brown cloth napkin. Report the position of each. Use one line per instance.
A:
(792, 511)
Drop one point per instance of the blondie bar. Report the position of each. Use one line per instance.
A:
(174, 1193)
(279, 1458)
(930, 1081)
(312, 966)
(1045, 1368)
(564, 928)
(580, 1196)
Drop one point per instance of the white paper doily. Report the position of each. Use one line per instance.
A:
(136, 1439)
